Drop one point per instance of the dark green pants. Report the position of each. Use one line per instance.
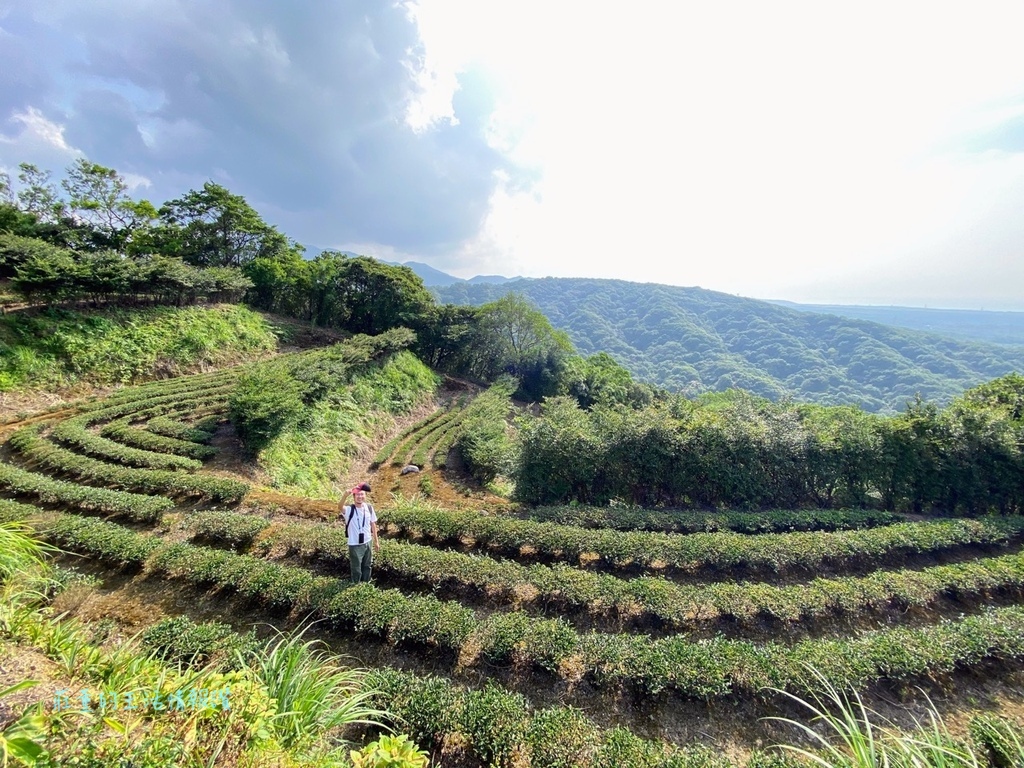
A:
(360, 558)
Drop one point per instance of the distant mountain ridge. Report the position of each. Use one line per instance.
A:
(694, 340)
(435, 278)
(430, 276)
(976, 325)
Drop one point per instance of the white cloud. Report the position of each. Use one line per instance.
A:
(136, 182)
(37, 140)
(768, 149)
(761, 149)
(38, 131)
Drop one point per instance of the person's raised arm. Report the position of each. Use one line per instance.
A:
(341, 504)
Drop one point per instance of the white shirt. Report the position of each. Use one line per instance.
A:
(361, 517)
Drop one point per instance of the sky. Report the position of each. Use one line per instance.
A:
(846, 153)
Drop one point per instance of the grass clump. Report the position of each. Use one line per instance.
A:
(843, 732)
(313, 695)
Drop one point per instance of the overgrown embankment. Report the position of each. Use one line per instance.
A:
(60, 348)
(305, 417)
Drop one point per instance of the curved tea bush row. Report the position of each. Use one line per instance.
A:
(114, 407)
(165, 388)
(388, 449)
(406, 452)
(28, 442)
(656, 600)
(108, 542)
(122, 432)
(223, 528)
(430, 444)
(201, 415)
(199, 409)
(439, 459)
(48, 490)
(72, 433)
(446, 439)
(719, 667)
(775, 521)
(158, 406)
(11, 511)
(644, 599)
(168, 427)
(500, 728)
(699, 552)
(703, 669)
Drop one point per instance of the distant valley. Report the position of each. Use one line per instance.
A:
(972, 324)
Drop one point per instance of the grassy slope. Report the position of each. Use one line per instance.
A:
(696, 340)
(58, 348)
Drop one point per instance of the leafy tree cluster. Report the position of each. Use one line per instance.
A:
(358, 293)
(738, 450)
(92, 211)
(92, 241)
(511, 337)
(50, 274)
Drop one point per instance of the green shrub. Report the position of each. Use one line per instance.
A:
(427, 708)
(561, 737)
(181, 641)
(265, 402)
(484, 441)
(226, 528)
(495, 721)
(390, 752)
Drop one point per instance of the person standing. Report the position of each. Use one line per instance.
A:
(361, 525)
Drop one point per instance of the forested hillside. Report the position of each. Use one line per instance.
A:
(695, 340)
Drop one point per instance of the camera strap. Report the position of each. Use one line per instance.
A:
(351, 513)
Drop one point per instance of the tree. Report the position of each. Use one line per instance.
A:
(515, 338)
(598, 379)
(6, 192)
(98, 197)
(560, 455)
(377, 296)
(280, 283)
(444, 335)
(48, 272)
(213, 227)
(38, 196)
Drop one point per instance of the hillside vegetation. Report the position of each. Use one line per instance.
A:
(59, 348)
(694, 340)
(617, 627)
(494, 640)
(317, 442)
